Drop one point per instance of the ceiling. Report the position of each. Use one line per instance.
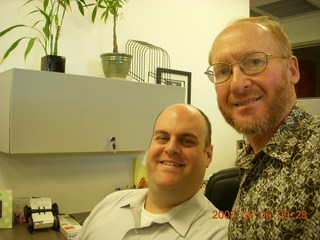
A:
(284, 9)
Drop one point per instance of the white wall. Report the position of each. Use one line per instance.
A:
(185, 28)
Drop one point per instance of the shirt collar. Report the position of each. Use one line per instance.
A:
(180, 217)
(183, 218)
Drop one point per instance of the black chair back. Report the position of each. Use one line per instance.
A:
(222, 188)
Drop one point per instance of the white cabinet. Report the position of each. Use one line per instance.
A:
(47, 112)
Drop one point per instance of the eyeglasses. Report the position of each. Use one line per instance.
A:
(250, 64)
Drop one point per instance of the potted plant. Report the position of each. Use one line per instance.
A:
(51, 14)
(115, 64)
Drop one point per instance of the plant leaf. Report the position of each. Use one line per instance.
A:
(84, 4)
(36, 23)
(45, 4)
(80, 8)
(94, 14)
(45, 15)
(10, 28)
(67, 3)
(12, 47)
(26, 2)
(29, 47)
(46, 30)
(32, 12)
(105, 16)
(56, 20)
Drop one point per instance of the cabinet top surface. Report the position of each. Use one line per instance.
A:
(18, 73)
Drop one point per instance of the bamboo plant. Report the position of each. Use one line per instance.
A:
(47, 28)
(109, 7)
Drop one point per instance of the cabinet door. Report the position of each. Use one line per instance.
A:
(56, 113)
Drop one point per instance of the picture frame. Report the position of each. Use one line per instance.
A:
(174, 77)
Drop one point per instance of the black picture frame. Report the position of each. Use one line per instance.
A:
(174, 77)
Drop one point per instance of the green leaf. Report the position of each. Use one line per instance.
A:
(27, 3)
(105, 16)
(64, 3)
(10, 28)
(45, 4)
(84, 4)
(45, 15)
(36, 23)
(12, 47)
(67, 2)
(56, 20)
(94, 14)
(80, 8)
(29, 47)
(32, 12)
(46, 30)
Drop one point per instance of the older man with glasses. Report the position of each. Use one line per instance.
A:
(254, 72)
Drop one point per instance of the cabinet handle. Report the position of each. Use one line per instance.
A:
(114, 146)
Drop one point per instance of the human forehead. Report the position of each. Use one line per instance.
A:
(240, 39)
(181, 118)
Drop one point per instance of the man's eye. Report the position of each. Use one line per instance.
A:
(254, 62)
(188, 142)
(223, 72)
(161, 138)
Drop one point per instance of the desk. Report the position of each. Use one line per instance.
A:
(20, 232)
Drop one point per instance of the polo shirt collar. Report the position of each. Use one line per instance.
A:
(180, 217)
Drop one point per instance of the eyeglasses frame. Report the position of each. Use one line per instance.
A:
(210, 74)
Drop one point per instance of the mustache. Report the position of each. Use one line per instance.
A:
(235, 98)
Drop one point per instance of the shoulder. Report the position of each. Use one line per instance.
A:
(309, 135)
(208, 210)
(210, 222)
(119, 199)
(307, 122)
(115, 201)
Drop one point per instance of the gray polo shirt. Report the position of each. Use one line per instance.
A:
(118, 217)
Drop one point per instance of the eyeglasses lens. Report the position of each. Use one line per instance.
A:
(253, 63)
(250, 64)
(222, 71)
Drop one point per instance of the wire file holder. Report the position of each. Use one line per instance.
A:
(146, 58)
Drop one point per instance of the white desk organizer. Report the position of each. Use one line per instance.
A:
(41, 214)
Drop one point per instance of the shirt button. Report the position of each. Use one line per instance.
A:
(136, 230)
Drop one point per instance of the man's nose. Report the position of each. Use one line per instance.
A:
(172, 147)
(239, 81)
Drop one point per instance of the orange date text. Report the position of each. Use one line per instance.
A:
(280, 214)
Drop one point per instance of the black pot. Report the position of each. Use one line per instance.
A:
(53, 63)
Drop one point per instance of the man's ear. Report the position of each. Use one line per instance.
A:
(293, 70)
(209, 155)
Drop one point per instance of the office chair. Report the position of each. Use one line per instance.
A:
(222, 188)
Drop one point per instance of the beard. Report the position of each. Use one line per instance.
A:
(274, 111)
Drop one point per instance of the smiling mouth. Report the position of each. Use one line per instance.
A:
(172, 164)
(247, 102)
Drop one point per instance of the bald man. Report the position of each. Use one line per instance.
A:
(173, 206)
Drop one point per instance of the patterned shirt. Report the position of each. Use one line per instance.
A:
(279, 196)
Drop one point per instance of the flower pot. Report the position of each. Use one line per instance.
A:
(116, 65)
(53, 63)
